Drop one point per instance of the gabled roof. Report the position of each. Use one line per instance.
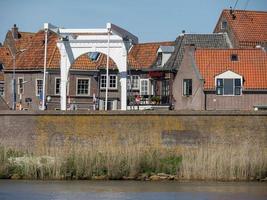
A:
(23, 41)
(251, 65)
(248, 26)
(144, 55)
(140, 56)
(199, 41)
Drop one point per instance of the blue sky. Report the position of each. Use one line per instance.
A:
(150, 20)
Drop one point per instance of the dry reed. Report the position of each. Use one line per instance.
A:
(210, 160)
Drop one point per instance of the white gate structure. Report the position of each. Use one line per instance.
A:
(112, 41)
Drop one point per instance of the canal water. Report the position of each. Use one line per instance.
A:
(130, 190)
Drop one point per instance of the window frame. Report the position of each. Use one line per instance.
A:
(36, 86)
(190, 92)
(22, 84)
(55, 88)
(110, 88)
(234, 87)
(130, 83)
(224, 24)
(148, 85)
(77, 85)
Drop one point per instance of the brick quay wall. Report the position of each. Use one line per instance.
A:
(37, 130)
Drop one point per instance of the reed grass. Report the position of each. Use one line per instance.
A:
(210, 160)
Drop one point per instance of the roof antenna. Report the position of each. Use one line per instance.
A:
(232, 10)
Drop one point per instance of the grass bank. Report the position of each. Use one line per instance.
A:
(210, 160)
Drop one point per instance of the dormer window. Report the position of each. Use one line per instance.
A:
(229, 84)
(224, 25)
(93, 56)
(234, 57)
(163, 54)
(159, 60)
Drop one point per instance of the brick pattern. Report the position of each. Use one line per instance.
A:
(251, 64)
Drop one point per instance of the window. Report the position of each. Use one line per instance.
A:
(228, 86)
(93, 56)
(39, 87)
(112, 82)
(133, 82)
(20, 86)
(224, 25)
(82, 86)
(165, 88)
(1, 90)
(57, 86)
(144, 87)
(159, 59)
(187, 87)
(234, 57)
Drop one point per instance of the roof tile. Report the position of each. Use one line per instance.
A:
(251, 64)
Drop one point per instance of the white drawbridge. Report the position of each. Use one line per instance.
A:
(112, 41)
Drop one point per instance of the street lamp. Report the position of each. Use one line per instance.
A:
(44, 79)
(13, 54)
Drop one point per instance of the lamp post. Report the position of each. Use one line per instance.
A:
(13, 54)
(107, 78)
(44, 79)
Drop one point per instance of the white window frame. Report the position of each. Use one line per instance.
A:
(110, 88)
(185, 87)
(36, 86)
(148, 86)
(229, 75)
(130, 82)
(20, 78)
(89, 81)
(55, 89)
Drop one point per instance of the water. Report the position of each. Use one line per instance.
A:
(130, 190)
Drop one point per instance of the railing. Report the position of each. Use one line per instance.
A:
(149, 100)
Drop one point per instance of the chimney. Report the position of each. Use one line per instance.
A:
(15, 32)
(190, 48)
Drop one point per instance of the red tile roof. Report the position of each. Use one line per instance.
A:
(5, 56)
(251, 64)
(23, 41)
(140, 56)
(249, 27)
(145, 55)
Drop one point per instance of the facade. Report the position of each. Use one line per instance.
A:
(246, 29)
(87, 78)
(221, 79)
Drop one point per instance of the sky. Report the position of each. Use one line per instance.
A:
(149, 20)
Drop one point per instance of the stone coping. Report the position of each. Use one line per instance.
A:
(132, 113)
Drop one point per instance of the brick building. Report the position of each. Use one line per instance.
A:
(246, 29)
(87, 79)
(221, 79)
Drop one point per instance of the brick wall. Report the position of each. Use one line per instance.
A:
(51, 128)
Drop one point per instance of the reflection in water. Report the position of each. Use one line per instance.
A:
(130, 190)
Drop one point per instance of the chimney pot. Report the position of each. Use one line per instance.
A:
(15, 32)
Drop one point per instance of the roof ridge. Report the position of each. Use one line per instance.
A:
(239, 10)
(230, 49)
(154, 42)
